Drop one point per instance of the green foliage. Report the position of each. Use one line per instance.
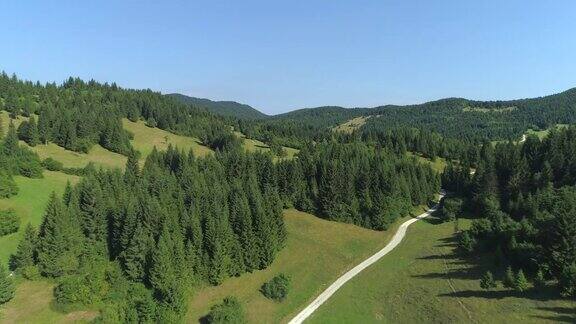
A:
(466, 243)
(8, 187)
(509, 280)
(6, 285)
(52, 165)
(28, 132)
(59, 241)
(25, 255)
(567, 281)
(521, 283)
(277, 288)
(9, 222)
(451, 207)
(228, 312)
(487, 281)
(151, 122)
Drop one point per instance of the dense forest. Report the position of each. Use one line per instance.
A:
(223, 108)
(454, 118)
(525, 198)
(356, 183)
(136, 241)
(78, 114)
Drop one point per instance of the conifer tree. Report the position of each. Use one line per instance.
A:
(487, 282)
(11, 140)
(59, 242)
(520, 282)
(6, 286)
(25, 255)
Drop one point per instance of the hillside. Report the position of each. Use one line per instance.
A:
(224, 108)
(454, 117)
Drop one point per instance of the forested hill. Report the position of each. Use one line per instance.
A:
(224, 108)
(455, 117)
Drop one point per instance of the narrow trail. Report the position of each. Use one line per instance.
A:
(326, 294)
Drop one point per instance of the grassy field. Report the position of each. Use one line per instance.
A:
(317, 252)
(253, 145)
(70, 159)
(351, 125)
(32, 304)
(424, 281)
(29, 204)
(145, 138)
(437, 164)
(543, 133)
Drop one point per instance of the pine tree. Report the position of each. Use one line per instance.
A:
(33, 136)
(6, 286)
(60, 240)
(509, 280)
(132, 170)
(11, 140)
(487, 282)
(134, 258)
(26, 252)
(520, 282)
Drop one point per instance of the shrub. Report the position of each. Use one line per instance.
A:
(8, 187)
(509, 280)
(151, 122)
(277, 288)
(567, 281)
(52, 165)
(229, 311)
(6, 285)
(451, 207)
(9, 222)
(487, 282)
(521, 283)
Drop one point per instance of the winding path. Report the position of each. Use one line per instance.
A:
(326, 294)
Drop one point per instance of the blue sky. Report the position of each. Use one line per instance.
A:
(283, 55)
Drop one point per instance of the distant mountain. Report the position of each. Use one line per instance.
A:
(451, 117)
(224, 108)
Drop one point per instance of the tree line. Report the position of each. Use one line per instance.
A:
(525, 198)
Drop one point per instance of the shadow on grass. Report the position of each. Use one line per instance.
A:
(545, 295)
(561, 314)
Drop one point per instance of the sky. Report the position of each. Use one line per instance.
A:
(283, 55)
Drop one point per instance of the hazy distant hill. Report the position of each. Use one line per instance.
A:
(453, 117)
(224, 108)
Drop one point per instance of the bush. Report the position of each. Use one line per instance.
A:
(151, 122)
(451, 207)
(487, 282)
(567, 281)
(52, 165)
(229, 311)
(9, 222)
(8, 187)
(30, 272)
(85, 288)
(6, 286)
(277, 288)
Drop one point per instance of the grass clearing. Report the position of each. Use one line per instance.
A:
(424, 280)
(98, 155)
(438, 164)
(541, 134)
(317, 252)
(146, 138)
(32, 304)
(29, 204)
(351, 125)
(253, 145)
